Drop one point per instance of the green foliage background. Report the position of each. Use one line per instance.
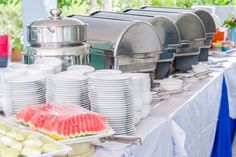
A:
(11, 21)
(11, 11)
(84, 6)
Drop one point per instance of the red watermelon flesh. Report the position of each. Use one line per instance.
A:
(25, 115)
(62, 121)
(73, 127)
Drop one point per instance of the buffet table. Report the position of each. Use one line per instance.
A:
(199, 122)
(190, 120)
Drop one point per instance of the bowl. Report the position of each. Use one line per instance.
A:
(171, 84)
(199, 68)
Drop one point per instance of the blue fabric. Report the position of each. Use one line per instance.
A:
(225, 128)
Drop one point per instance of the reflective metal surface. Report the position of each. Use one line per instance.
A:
(192, 34)
(56, 32)
(166, 29)
(121, 44)
(190, 26)
(204, 15)
(69, 55)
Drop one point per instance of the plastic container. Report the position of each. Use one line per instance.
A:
(4, 49)
(3, 62)
(4, 46)
(217, 46)
(226, 46)
(220, 35)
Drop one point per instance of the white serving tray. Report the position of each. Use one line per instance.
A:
(63, 151)
(91, 138)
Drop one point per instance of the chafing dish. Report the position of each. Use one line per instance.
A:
(57, 37)
(192, 34)
(167, 31)
(207, 20)
(130, 46)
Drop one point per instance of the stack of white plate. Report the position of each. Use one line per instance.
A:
(111, 96)
(85, 69)
(68, 87)
(56, 63)
(14, 66)
(22, 88)
(142, 95)
(47, 70)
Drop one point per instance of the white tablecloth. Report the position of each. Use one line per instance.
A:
(183, 125)
(195, 112)
(230, 77)
(191, 116)
(150, 130)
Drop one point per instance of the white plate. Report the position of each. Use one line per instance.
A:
(106, 71)
(82, 68)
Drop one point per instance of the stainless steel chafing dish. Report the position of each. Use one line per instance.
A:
(207, 20)
(117, 44)
(167, 31)
(192, 34)
(57, 37)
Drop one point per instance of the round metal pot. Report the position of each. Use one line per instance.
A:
(56, 31)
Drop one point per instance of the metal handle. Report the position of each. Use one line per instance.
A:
(51, 30)
(56, 14)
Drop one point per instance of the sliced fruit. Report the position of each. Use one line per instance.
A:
(31, 151)
(62, 121)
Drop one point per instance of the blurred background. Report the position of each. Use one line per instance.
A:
(11, 12)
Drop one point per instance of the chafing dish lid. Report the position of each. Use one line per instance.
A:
(56, 20)
(166, 28)
(121, 37)
(190, 25)
(203, 14)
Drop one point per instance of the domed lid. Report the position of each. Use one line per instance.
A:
(56, 20)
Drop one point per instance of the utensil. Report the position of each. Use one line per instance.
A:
(122, 139)
(217, 62)
(191, 75)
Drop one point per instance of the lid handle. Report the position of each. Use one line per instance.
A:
(56, 14)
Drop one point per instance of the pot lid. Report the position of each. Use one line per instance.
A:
(56, 20)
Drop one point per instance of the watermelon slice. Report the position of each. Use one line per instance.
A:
(62, 121)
